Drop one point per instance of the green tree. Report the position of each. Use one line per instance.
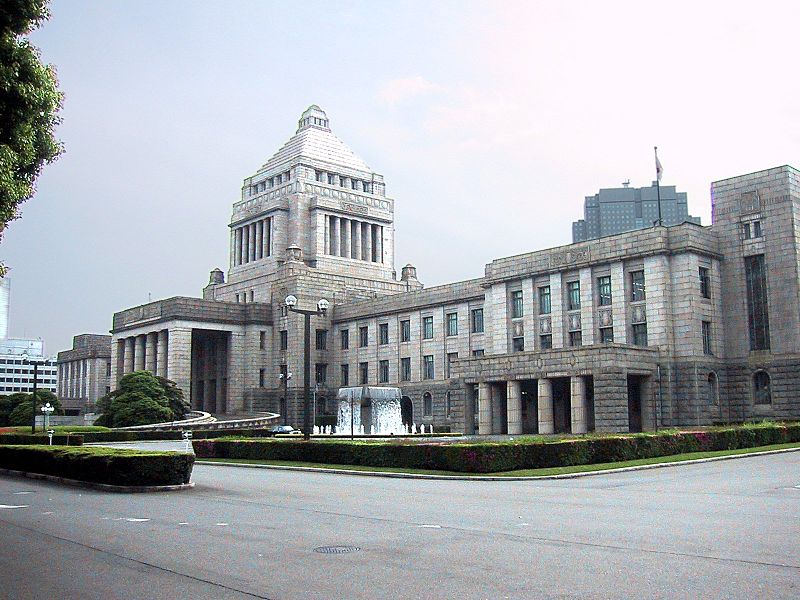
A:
(29, 105)
(141, 398)
(22, 406)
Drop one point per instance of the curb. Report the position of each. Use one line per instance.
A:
(494, 477)
(104, 487)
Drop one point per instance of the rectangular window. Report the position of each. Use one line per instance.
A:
(606, 335)
(363, 336)
(322, 339)
(345, 372)
(544, 300)
(427, 328)
(518, 344)
(405, 331)
(639, 334)
(452, 323)
(756, 229)
(705, 283)
(345, 338)
(477, 320)
(383, 371)
(427, 366)
(427, 406)
(706, 325)
(573, 295)
(637, 286)
(757, 308)
(516, 304)
(262, 340)
(451, 356)
(546, 341)
(746, 230)
(479, 352)
(363, 373)
(284, 335)
(575, 338)
(604, 290)
(383, 333)
(321, 370)
(261, 378)
(405, 369)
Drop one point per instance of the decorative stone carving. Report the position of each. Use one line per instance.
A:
(575, 322)
(638, 314)
(568, 257)
(606, 318)
(545, 326)
(519, 330)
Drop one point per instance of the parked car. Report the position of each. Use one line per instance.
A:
(283, 429)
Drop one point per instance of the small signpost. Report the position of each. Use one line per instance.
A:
(50, 433)
(187, 438)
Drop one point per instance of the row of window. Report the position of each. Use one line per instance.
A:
(42, 380)
(752, 230)
(343, 181)
(243, 297)
(270, 183)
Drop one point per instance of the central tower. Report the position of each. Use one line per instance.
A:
(314, 194)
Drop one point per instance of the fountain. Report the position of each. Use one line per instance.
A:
(370, 410)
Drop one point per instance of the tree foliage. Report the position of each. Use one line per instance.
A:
(17, 409)
(29, 104)
(141, 399)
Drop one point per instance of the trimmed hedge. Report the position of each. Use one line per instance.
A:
(142, 436)
(100, 465)
(26, 439)
(494, 457)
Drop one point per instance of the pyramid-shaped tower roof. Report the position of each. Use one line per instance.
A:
(315, 143)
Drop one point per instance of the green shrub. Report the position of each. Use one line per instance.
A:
(40, 439)
(492, 457)
(100, 465)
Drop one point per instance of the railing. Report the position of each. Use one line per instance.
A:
(205, 421)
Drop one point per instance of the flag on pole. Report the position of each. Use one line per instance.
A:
(659, 168)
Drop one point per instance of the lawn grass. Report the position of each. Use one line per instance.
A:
(522, 473)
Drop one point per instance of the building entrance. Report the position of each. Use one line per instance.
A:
(634, 403)
(562, 406)
(406, 411)
(530, 406)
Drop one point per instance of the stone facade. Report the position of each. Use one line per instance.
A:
(84, 372)
(633, 331)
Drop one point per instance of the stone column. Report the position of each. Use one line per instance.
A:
(378, 243)
(336, 235)
(368, 244)
(161, 361)
(357, 240)
(268, 237)
(179, 358)
(577, 388)
(237, 246)
(546, 406)
(252, 241)
(130, 350)
(259, 240)
(484, 408)
(514, 407)
(138, 361)
(245, 243)
(150, 355)
(346, 239)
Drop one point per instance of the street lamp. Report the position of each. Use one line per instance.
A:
(47, 409)
(322, 308)
(27, 361)
(285, 377)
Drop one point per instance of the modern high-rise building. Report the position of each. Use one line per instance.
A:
(657, 326)
(617, 210)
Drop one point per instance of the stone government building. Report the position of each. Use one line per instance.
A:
(655, 327)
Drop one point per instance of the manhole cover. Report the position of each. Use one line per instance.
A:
(336, 549)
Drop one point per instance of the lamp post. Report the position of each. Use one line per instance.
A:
(47, 409)
(27, 361)
(285, 377)
(322, 308)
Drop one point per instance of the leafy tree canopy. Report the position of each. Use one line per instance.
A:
(141, 399)
(29, 104)
(17, 408)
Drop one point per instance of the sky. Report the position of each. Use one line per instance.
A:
(491, 121)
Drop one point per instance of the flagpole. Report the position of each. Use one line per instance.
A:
(658, 187)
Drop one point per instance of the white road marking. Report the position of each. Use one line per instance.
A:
(131, 520)
(222, 524)
(22, 493)
(13, 506)
(49, 512)
(183, 523)
(430, 526)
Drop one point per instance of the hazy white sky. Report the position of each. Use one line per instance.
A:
(490, 120)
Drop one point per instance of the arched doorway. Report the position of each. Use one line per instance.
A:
(406, 411)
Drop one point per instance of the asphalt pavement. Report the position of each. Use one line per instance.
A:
(725, 529)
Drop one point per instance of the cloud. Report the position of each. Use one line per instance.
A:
(397, 91)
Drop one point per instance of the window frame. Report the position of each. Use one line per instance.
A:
(383, 334)
(383, 371)
(704, 273)
(427, 327)
(405, 330)
(545, 298)
(638, 286)
(428, 367)
(517, 304)
(476, 317)
(604, 295)
(451, 324)
(573, 295)
(363, 336)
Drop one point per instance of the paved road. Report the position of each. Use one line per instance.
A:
(718, 530)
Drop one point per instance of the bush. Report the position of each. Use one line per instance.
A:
(59, 439)
(142, 398)
(100, 465)
(17, 409)
(493, 457)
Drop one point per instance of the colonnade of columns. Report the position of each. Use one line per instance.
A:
(351, 238)
(351, 183)
(73, 378)
(144, 352)
(489, 407)
(252, 242)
